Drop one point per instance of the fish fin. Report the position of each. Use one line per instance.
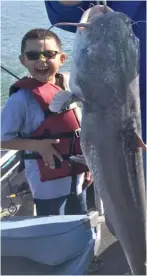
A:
(79, 158)
(61, 100)
(140, 143)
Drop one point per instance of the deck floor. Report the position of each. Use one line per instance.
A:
(111, 255)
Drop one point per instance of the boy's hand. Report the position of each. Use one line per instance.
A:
(46, 149)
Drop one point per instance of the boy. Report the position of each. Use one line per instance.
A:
(25, 114)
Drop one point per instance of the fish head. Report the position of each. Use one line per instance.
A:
(105, 55)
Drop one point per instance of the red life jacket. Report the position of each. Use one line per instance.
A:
(63, 126)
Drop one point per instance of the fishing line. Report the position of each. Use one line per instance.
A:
(9, 72)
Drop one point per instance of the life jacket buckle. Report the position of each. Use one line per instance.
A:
(67, 107)
(77, 133)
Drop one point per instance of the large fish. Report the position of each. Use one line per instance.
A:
(105, 77)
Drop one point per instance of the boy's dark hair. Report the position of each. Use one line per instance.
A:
(39, 34)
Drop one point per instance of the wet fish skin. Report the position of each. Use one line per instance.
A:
(111, 116)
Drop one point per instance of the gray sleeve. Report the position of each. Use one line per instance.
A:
(13, 116)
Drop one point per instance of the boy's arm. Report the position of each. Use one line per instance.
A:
(43, 147)
(12, 121)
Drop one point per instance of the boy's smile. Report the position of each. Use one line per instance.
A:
(42, 58)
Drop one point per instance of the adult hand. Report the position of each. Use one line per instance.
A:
(88, 180)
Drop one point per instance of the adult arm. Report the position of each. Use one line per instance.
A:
(71, 11)
(60, 11)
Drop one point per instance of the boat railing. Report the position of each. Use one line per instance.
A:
(8, 163)
(5, 158)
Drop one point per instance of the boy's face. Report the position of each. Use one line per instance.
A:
(43, 68)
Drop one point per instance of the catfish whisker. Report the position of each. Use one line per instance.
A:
(138, 22)
(91, 5)
(81, 9)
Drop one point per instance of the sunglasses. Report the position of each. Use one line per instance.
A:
(34, 55)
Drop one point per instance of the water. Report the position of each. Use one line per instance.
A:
(18, 17)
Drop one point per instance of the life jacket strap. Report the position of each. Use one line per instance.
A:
(48, 135)
(36, 155)
(48, 112)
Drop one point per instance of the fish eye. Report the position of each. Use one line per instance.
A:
(89, 50)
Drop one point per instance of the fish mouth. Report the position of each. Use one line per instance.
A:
(87, 17)
(97, 11)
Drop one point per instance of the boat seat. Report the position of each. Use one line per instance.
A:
(53, 241)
